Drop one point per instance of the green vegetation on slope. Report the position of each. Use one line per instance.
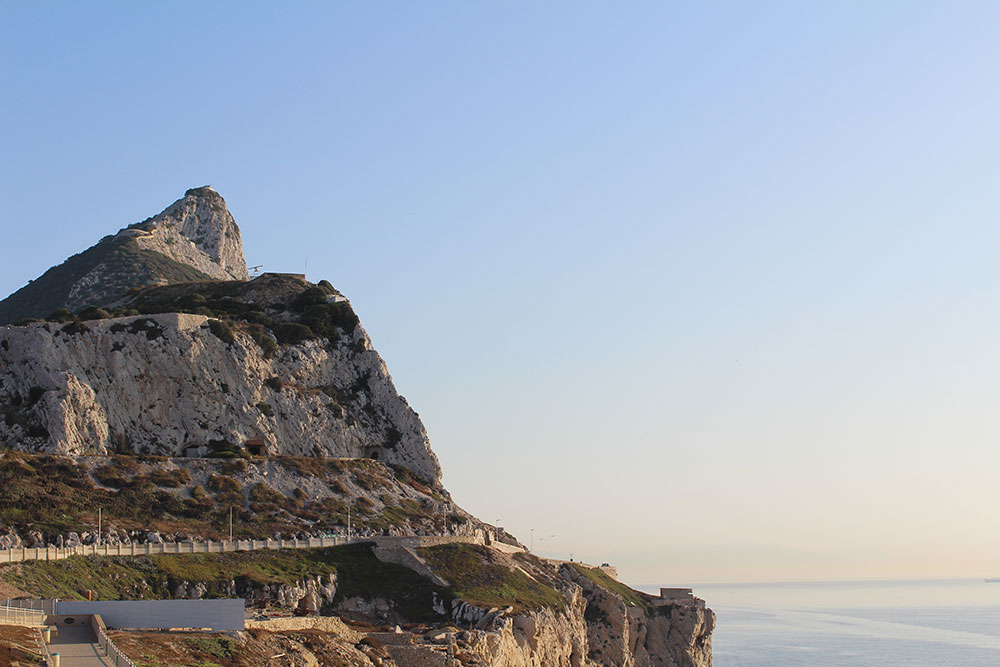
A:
(633, 598)
(124, 264)
(272, 309)
(479, 579)
(359, 574)
(277, 306)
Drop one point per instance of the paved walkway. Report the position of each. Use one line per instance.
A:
(77, 647)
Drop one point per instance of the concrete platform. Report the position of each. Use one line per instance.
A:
(77, 647)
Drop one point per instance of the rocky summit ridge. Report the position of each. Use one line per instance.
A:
(195, 238)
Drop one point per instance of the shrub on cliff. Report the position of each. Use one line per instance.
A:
(477, 578)
(292, 333)
(94, 313)
(222, 331)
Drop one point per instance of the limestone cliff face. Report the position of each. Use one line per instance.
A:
(543, 638)
(196, 230)
(597, 629)
(672, 635)
(158, 383)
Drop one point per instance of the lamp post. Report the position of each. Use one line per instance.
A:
(230, 523)
(498, 530)
(99, 525)
(531, 544)
(348, 521)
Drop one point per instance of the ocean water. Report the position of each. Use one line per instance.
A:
(941, 623)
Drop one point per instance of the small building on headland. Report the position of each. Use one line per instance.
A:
(195, 451)
(673, 596)
(297, 276)
(676, 594)
(256, 447)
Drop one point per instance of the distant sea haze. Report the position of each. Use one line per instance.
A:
(935, 623)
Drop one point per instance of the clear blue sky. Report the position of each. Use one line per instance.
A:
(705, 290)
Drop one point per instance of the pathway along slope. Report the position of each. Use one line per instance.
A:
(148, 549)
(77, 647)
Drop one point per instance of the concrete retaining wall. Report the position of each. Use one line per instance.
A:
(219, 615)
(401, 554)
(414, 541)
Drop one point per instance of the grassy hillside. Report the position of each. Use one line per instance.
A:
(477, 575)
(359, 574)
(632, 598)
(481, 577)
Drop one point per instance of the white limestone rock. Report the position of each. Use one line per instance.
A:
(196, 230)
(159, 383)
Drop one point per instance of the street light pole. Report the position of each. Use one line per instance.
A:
(99, 525)
(230, 523)
(348, 521)
(531, 548)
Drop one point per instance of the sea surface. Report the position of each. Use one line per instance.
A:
(940, 623)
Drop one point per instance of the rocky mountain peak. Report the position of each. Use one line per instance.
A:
(193, 239)
(197, 230)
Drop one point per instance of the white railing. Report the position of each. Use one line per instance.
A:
(114, 654)
(46, 606)
(20, 616)
(147, 548)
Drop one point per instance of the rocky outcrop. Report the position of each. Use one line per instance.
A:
(676, 634)
(596, 628)
(196, 230)
(543, 638)
(195, 238)
(157, 384)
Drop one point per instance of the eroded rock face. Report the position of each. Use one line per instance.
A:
(619, 635)
(544, 638)
(196, 230)
(159, 383)
(596, 628)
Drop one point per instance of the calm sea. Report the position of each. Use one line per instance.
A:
(856, 624)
